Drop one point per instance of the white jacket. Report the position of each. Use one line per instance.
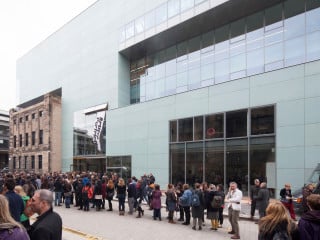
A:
(234, 199)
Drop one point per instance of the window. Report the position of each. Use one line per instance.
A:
(33, 116)
(14, 162)
(173, 131)
(14, 121)
(236, 123)
(40, 136)
(26, 139)
(32, 162)
(40, 161)
(14, 141)
(262, 120)
(185, 127)
(27, 117)
(19, 162)
(20, 140)
(20, 120)
(214, 126)
(25, 162)
(40, 113)
(33, 138)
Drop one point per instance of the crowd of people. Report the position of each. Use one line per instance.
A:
(26, 194)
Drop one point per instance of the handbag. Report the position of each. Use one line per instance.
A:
(98, 196)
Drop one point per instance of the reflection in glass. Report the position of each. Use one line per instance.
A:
(262, 120)
(313, 46)
(149, 20)
(186, 4)
(295, 51)
(177, 163)
(198, 128)
(294, 27)
(161, 13)
(313, 20)
(274, 53)
(262, 161)
(236, 123)
(214, 162)
(214, 126)
(173, 8)
(194, 163)
(237, 163)
(185, 127)
(173, 131)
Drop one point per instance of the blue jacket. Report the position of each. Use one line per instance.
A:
(185, 199)
(16, 205)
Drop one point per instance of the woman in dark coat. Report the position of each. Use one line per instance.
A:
(197, 211)
(309, 224)
(171, 201)
(156, 202)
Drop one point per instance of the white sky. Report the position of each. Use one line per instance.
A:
(24, 24)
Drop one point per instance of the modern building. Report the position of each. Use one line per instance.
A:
(4, 139)
(188, 90)
(35, 134)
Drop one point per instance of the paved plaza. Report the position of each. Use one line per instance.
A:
(110, 226)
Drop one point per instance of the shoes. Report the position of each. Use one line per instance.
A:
(194, 227)
(109, 210)
(185, 223)
(200, 228)
(171, 221)
(180, 219)
(220, 226)
(235, 237)
(231, 232)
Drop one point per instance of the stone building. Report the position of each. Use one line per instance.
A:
(4, 138)
(35, 134)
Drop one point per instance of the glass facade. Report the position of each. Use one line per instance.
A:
(281, 36)
(219, 148)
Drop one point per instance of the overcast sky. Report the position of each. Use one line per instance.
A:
(24, 24)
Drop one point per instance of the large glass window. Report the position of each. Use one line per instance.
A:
(237, 163)
(214, 126)
(185, 129)
(262, 161)
(177, 160)
(262, 120)
(173, 131)
(198, 128)
(214, 162)
(194, 163)
(236, 124)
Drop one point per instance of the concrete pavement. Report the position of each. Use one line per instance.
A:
(105, 225)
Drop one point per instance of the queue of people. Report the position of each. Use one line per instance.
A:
(26, 195)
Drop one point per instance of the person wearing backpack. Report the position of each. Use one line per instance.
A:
(213, 207)
(185, 202)
(197, 206)
(221, 191)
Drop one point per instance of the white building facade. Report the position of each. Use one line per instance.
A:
(189, 90)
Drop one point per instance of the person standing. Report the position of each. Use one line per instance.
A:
(234, 197)
(309, 223)
(156, 202)
(185, 201)
(306, 191)
(48, 224)
(198, 210)
(121, 194)
(221, 192)
(286, 199)
(9, 228)
(253, 195)
(277, 224)
(24, 218)
(16, 205)
(110, 194)
(171, 201)
(262, 200)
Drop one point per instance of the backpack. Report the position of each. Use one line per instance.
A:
(216, 202)
(195, 200)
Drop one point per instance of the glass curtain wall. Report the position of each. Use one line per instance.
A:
(218, 148)
(284, 35)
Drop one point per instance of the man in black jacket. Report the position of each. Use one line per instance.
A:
(49, 224)
(253, 195)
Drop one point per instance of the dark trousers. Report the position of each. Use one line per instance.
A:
(187, 213)
(221, 216)
(253, 207)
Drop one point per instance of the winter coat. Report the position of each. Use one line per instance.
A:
(309, 225)
(156, 199)
(262, 199)
(197, 212)
(10, 232)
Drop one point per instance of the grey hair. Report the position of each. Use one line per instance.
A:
(45, 195)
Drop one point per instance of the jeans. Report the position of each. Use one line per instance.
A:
(57, 199)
